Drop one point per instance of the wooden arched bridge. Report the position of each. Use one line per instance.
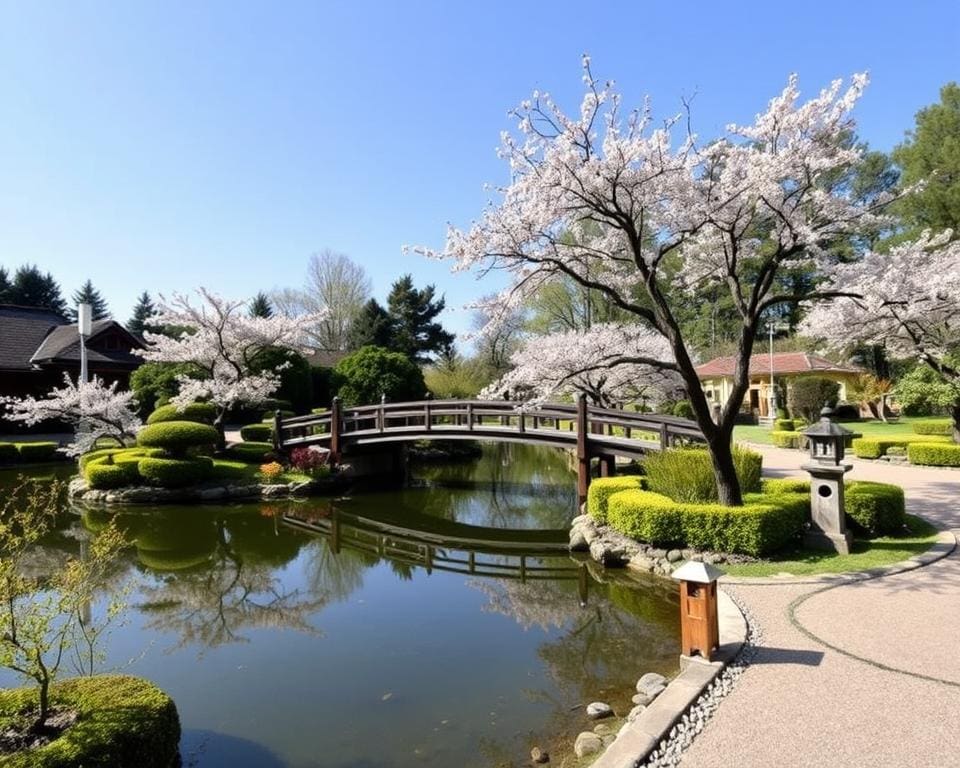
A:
(590, 431)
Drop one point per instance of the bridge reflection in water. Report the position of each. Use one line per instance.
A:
(517, 554)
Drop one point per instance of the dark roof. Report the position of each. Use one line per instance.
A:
(22, 331)
(63, 344)
(325, 358)
(783, 363)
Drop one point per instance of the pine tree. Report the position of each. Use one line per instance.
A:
(143, 310)
(371, 327)
(260, 306)
(412, 312)
(32, 288)
(89, 295)
(5, 286)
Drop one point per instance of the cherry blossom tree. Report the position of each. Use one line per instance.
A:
(907, 300)
(96, 410)
(620, 207)
(220, 339)
(609, 363)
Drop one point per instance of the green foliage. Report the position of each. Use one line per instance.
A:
(934, 455)
(321, 379)
(454, 378)
(686, 474)
(780, 485)
(177, 436)
(296, 382)
(923, 391)
(175, 473)
(603, 488)
(766, 522)
(155, 383)
(36, 452)
(143, 310)
(122, 721)
(683, 409)
(107, 472)
(933, 427)
(260, 306)
(202, 413)
(372, 327)
(875, 508)
(371, 372)
(931, 154)
(874, 447)
(251, 452)
(783, 425)
(8, 453)
(413, 313)
(87, 294)
(786, 439)
(807, 395)
(256, 432)
(32, 288)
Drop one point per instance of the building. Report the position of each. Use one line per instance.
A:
(37, 346)
(716, 377)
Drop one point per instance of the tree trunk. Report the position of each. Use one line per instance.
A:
(44, 705)
(956, 423)
(725, 472)
(221, 432)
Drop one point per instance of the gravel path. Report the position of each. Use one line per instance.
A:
(883, 686)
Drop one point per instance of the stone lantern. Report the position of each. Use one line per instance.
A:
(828, 525)
(699, 625)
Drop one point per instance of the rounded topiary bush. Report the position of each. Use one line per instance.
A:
(175, 473)
(204, 413)
(877, 508)
(112, 472)
(783, 425)
(8, 453)
(256, 432)
(683, 409)
(786, 439)
(45, 451)
(603, 488)
(934, 454)
(933, 427)
(122, 722)
(252, 453)
(178, 436)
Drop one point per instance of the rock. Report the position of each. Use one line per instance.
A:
(581, 520)
(273, 490)
(656, 554)
(641, 562)
(587, 743)
(714, 558)
(609, 739)
(578, 541)
(650, 681)
(643, 698)
(212, 494)
(602, 729)
(598, 710)
(674, 555)
(590, 532)
(537, 755)
(686, 554)
(636, 712)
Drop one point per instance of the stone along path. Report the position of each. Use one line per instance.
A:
(853, 674)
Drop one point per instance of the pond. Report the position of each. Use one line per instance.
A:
(438, 625)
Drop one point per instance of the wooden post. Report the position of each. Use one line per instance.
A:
(664, 436)
(335, 431)
(583, 451)
(608, 466)
(470, 415)
(380, 417)
(426, 414)
(277, 431)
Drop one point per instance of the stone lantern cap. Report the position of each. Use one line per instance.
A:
(826, 427)
(700, 573)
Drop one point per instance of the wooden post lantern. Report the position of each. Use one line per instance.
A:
(699, 626)
(828, 521)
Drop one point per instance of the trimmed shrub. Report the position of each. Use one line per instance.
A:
(178, 436)
(225, 469)
(259, 433)
(112, 472)
(268, 415)
(934, 454)
(807, 395)
(123, 721)
(783, 425)
(37, 451)
(8, 453)
(686, 474)
(781, 485)
(786, 439)
(252, 453)
(876, 508)
(874, 448)
(204, 413)
(766, 523)
(683, 409)
(362, 376)
(933, 427)
(175, 473)
(296, 381)
(603, 488)
(896, 450)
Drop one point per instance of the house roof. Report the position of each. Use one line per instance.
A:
(62, 344)
(783, 363)
(22, 331)
(324, 358)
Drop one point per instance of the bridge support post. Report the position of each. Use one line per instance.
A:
(277, 431)
(608, 466)
(583, 450)
(335, 424)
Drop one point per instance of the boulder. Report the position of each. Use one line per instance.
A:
(598, 710)
(587, 743)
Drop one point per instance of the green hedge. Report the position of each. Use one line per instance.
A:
(204, 413)
(603, 488)
(175, 473)
(876, 508)
(8, 453)
(784, 425)
(256, 432)
(874, 447)
(782, 485)
(30, 452)
(252, 453)
(934, 454)
(686, 474)
(123, 722)
(787, 439)
(105, 473)
(765, 524)
(177, 436)
(933, 427)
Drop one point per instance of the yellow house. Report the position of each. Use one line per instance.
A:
(716, 377)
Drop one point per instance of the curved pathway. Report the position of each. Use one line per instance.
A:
(850, 674)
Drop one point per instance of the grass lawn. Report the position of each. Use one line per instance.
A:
(227, 469)
(754, 433)
(867, 553)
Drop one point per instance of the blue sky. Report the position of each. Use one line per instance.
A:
(166, 145)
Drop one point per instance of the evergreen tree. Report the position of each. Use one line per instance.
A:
(260, 306)
(412, 312)
(371, 327)
(32, 288)
(143, 310)
(5, 286)
(89, 295)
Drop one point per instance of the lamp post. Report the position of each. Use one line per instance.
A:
(84, 326)
(772, 326)
(828, 524)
